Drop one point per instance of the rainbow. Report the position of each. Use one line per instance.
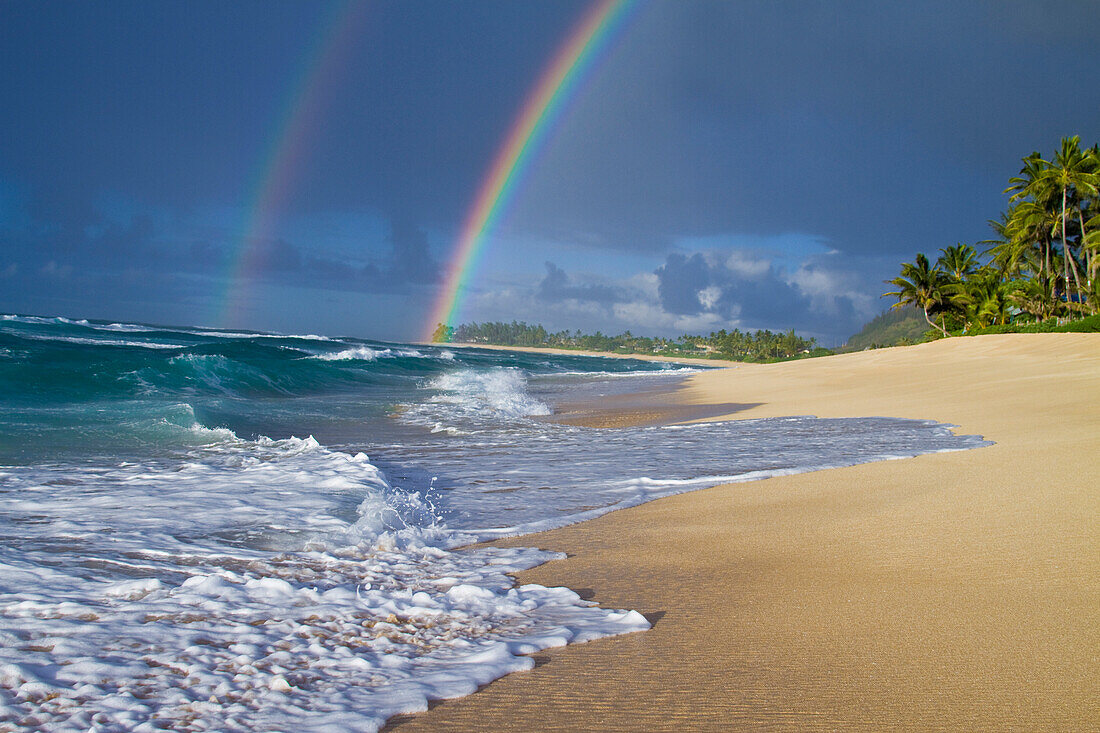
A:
(305, 103)
(543, 106)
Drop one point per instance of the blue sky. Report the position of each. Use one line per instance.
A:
(726, 165)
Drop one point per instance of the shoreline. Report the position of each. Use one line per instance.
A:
(687, 360)
(947, 591)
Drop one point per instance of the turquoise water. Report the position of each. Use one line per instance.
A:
(78, 388)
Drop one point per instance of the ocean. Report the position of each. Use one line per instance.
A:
(211, 530)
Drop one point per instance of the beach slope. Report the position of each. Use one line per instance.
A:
(949, 591)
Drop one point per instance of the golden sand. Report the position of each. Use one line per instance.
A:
(953, 591)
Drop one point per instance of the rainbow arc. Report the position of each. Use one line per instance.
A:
(545, 104)
(288, 151)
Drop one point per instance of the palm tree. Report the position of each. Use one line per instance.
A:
(1031, 184)
(958, 261)
(922, 285)
(1033, 226)
(1091, 244)
(442, 334)
(1033, 297)
(983, 299)
(1090, 240)
(1023, 184)
(1071, 174)
(1005, 253)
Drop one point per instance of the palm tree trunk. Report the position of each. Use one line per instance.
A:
(1076, 278)
(1090, 258)
(1087, 252)
(1065, 252)
(931, 323)
(1048, 273)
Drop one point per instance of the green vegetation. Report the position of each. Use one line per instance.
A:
(1089, 324)
(1041, 267)
(734, 345)
(895, 327)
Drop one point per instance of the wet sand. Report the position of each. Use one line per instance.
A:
(953, 591)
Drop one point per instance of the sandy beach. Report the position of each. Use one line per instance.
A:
(953, 591)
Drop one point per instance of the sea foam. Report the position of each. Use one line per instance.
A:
(307, 642)
(498, 392)
(365, 353)
(213, 593)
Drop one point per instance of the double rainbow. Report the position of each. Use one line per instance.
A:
(545, 105)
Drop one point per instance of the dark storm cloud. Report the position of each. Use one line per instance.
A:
(680, 280)
(411, 260)
(882, 126)
(99, 260)
(702, 283)
(557, 286)
(191, 102)
(408, 264)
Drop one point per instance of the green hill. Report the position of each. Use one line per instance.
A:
(892, 328)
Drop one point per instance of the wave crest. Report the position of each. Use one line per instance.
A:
(500, 391)
(365, 353)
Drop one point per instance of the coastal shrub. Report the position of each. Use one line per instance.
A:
(1090, 324)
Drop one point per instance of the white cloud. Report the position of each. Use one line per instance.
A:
(747, 264)
(708, 297)
(826, 286)
(646, 317)
(645, 283)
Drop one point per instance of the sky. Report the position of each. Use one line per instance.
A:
(308, 166)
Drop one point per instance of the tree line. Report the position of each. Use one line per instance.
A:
(735, 345)
(1040, 265)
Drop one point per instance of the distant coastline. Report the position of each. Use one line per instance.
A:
(688, 360)
(760, 346)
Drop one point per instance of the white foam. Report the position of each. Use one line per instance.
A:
(360, 617)
(172, 425)
(449, 429)
(663, 371)
(42, 320)
(497, 392)
(101, 341)
(251, 335)
(227, 486)
(36, 319)
(365, 353)
(299, 642)
(126, 327)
